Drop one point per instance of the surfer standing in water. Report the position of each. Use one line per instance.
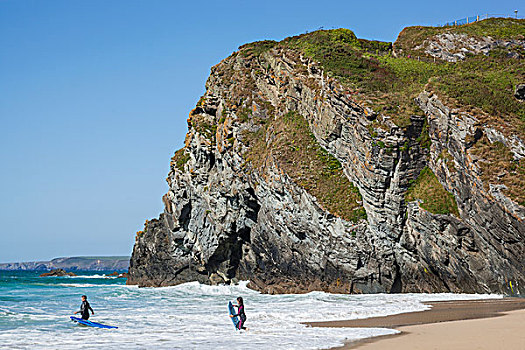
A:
(240, 313)
(84, 308)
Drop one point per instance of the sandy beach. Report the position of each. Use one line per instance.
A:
(461, 325)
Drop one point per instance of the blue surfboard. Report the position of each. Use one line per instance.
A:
(235, 319)
(89, 323)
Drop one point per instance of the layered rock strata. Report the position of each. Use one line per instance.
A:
(234, 213)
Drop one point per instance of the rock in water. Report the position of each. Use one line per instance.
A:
(290, 179)
(118, 275)
(57, 273)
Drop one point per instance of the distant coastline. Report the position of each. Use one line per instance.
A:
(78, 263)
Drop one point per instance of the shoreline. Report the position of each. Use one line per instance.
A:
(422, 326)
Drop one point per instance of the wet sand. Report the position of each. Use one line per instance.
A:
(474, 324)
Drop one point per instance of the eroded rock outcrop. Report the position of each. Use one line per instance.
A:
(242, 203)
(452, 47)
(519, 93)
(57, 273)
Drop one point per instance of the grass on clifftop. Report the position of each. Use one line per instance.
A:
(256, 48)
(297, 152)
(343, 56)
(482, 82)
(357, 64)
(389, 84)
(435, 198)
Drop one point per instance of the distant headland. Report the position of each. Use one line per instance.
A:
(78, 263)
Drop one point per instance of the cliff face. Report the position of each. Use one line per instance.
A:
(85, 263)
(317, 163)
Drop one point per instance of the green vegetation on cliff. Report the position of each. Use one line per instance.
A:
(310, 166)
(350, 60)
(257, 48)
(499, 167)
(435, 198)
(180, 158)
(391, 83)
(485, 82)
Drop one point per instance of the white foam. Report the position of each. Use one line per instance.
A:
(194, 316)
(78, 285)
(93, 276)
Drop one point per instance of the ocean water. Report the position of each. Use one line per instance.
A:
(34, 314)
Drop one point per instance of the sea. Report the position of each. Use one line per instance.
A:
(35, 311)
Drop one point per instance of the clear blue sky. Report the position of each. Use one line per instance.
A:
(94, 97)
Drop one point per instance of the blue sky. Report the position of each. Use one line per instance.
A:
(94, 97)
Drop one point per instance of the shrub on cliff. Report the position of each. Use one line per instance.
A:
(433, 195)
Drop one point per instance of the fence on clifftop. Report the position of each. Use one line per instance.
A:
(472, 19)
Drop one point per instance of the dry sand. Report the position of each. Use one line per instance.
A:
(465, 325)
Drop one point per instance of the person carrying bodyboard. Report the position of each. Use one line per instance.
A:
(240, 314)
(84, 308)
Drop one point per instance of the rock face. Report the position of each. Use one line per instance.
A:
(520, 92)
(57, 273)
(118, 275)
(235, 211)
(452, 47)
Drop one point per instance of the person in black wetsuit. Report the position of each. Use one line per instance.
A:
(240, 313)
(84, 308)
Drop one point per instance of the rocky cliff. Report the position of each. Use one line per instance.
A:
(79, 263)
(328, 162)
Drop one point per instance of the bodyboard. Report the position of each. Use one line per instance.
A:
(235, 319)
(89, 323)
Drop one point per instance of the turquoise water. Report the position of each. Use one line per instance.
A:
(34, 314)
(27, 300)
